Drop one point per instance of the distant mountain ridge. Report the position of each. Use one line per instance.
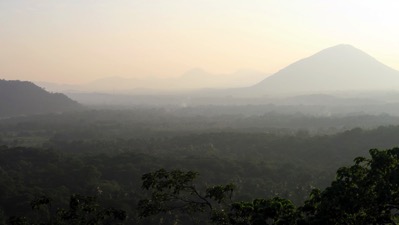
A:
(339, 68)
(25, 98)
(190, 80)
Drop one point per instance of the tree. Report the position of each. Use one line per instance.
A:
(276, 211)
(365, 193)
(176, 192)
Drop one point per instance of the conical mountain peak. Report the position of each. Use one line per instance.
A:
(338, 68)
(343, 50)
(342, 47)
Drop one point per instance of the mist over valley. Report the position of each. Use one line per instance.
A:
(199, 112)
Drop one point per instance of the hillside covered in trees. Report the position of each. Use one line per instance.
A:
(25, 98)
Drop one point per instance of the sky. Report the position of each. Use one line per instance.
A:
(77, 41)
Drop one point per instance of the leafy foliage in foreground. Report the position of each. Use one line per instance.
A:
(176, 191)
(365, 193)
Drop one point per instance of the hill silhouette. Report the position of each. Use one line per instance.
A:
(193, 79)
(25, 98)
(339, 68)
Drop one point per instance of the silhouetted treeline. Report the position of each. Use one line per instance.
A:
(25, 98)
(41, 186)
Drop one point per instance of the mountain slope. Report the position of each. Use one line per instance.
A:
(23, 98)
(339, 68)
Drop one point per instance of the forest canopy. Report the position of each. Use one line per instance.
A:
(363, 193)
(100, 157)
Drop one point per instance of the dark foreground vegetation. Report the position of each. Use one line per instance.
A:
(149, 167)
(364, 193)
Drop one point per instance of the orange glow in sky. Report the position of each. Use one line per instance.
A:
(78, 41)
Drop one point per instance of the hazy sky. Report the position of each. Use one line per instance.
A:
(76, 41)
